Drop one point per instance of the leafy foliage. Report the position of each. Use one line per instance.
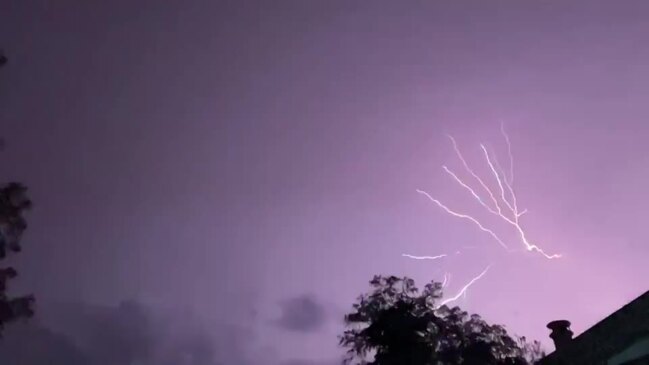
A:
(398, 324)
(13, 204)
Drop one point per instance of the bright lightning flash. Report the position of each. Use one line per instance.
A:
(447, 280)
(424, 257)
(503, 205)
(464, 289)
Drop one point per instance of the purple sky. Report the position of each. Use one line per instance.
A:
(236, 158)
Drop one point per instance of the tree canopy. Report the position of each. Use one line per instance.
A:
(13, 204)
(397, 324)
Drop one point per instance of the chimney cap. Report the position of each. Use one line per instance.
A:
(559, 325)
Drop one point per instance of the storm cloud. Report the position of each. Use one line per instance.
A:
(302, 314)
(312, 362)
(82, 334)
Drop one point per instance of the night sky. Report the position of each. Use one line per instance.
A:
(241, 169)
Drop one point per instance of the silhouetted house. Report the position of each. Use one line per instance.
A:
(619, 339)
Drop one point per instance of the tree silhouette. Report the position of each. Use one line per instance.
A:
(396, 324)
(13, 204)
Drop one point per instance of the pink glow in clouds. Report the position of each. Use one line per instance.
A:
(228, 156)
(510, 212)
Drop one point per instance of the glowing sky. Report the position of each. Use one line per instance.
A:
(237, 158)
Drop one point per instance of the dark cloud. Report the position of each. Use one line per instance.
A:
(35, 345)
(312, 362)
(302, 314)
(129, 333)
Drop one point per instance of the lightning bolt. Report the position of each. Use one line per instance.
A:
(464, 216)
(424, 257)
(464, 289)
(447, 280)
(509, 153)
(503, 204)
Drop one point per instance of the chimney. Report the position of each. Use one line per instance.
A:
(561, 333)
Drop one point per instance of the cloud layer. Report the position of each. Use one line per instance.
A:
(302, 314)
(83, 334)
(133, 333)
